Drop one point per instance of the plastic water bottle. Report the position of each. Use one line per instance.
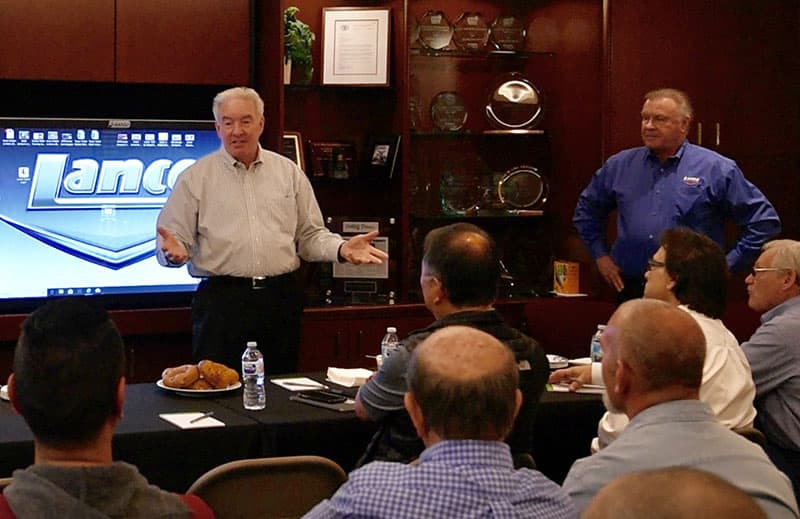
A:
(389, 343)
(254, 396)
(595, 351)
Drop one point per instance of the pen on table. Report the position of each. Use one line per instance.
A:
(305, 385)
(204, 415)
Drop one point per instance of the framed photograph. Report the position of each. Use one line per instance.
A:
(382, 155)
(293, 148)
(355, 46)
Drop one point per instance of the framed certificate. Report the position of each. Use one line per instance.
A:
(293, 148)
(355, 46)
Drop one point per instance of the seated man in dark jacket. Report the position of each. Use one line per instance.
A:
(460, 272)
(69, 386)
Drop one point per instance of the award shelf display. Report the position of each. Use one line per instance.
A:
(434, 30)
(448, 111)
(470, 32)
(508, 33)
(515, 103)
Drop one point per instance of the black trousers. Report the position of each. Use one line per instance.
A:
(228, 312)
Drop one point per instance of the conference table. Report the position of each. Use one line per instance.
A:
(173, 458)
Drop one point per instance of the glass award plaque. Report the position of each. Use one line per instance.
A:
(522, 187)
(514, 103)
(508, 33)
(470, 32)
(448, 111)
(460, 193)
(435, 30)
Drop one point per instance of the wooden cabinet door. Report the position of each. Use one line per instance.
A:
(738, 62)
(325, 342)
(57, 40)
(183, 41)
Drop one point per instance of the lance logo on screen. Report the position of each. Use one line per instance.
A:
(89, 184)
(106, 208)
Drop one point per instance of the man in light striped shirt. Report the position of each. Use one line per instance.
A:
(242, 217)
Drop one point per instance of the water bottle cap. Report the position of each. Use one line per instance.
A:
(601, 326)
(391, 329)
(252, 344)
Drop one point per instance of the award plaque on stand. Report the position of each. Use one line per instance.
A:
(470, 32)
(508, 33)
(448, 111)
(522, 187)
(335, 160)
(435, 30)
(514, 103)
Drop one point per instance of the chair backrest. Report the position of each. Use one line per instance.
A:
(269, 487)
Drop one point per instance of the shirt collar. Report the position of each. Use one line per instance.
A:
(675, 156)
(778, 310)
(231, 161)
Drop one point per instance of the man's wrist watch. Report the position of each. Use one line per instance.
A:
(339, 257)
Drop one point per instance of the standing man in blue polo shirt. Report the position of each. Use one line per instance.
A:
(668, 182)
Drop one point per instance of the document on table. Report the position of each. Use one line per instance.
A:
(586, 388)
(349, 377)
(299, 384)
(191, 420)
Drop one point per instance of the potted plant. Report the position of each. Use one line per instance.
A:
(297, 41)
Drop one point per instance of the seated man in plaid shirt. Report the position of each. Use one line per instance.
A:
(462, 399)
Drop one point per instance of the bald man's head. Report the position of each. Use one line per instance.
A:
(671, 493)
(465, 384)
(653, 352)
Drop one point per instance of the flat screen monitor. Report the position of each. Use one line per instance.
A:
(79, 199)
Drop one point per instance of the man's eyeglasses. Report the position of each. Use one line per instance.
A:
(755, 270)
(653, 264)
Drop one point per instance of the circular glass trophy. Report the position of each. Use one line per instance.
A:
(435, 30)
(508, 33)
(470, 32)
(460, 193)
(448, 111)
(522, 187)
(515, 103)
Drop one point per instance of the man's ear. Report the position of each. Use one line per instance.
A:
(12, 393)
(120, 398)
(518, 402)
(623, 378)
(415, 412)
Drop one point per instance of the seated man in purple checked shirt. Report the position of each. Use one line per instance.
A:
(462, 399)
(666, 183)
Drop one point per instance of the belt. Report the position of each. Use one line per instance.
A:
(253, 283)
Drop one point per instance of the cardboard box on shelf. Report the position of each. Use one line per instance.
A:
(566, 277)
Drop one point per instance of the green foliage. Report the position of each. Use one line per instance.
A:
(297, 38)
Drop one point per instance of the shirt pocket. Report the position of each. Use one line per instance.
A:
(281, 208)
(692, 204)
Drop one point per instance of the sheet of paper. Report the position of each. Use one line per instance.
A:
(586, 388)
(349, 377)
(184, 420)
(299, 383)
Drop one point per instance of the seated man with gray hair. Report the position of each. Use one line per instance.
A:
(462, 400)
(653, 354)
(773, 351)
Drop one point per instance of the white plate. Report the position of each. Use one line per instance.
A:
(557, 361)
(583, 361)
(561, 294)
(199, 393)
(4, 392)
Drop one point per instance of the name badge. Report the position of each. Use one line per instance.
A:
(691, 181)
